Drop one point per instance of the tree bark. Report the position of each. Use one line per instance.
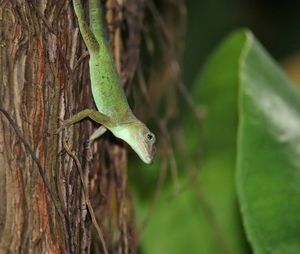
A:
(44, 77)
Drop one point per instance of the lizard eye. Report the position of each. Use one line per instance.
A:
(150, 136)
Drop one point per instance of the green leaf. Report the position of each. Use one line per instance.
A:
(268, 151)
(268, 158)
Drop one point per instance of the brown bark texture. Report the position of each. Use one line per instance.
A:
(43, 78)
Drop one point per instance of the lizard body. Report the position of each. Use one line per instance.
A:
(113, 112)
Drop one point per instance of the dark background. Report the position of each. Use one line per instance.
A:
(275, 23)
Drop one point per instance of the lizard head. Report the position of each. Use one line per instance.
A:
(138, 136)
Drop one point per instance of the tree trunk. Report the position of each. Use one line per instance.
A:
(44, 77)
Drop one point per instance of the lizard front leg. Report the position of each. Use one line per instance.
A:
(91, 113)
(97, 133)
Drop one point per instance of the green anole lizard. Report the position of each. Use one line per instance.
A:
(113, 112)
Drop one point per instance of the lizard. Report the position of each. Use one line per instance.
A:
(114, 113)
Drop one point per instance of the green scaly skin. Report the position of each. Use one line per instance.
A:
(113, 112)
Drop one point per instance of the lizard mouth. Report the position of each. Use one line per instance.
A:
(148, 158)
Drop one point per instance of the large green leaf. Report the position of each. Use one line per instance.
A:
(268, 176)
(268, 151)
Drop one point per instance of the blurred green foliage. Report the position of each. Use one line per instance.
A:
(203, 216)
